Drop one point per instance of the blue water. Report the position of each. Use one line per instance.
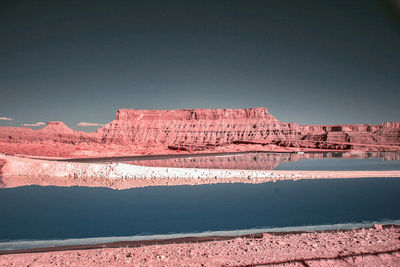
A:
(38, 213)
(338, 164)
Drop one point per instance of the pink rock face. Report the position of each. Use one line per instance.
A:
(193, 114)
(356, 134)
(198, 129)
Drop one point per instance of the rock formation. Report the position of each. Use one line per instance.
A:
(194, 128)
(55, 131)
(201, 128)
(198, 129)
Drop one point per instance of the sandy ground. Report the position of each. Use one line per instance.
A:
(363, 247)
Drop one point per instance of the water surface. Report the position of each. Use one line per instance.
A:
(40, 213)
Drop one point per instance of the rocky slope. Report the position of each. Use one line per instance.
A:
(198, 129)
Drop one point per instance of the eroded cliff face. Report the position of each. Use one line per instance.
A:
(198, 129)
(387, 133)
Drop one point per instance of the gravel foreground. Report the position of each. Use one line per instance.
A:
(363, 247)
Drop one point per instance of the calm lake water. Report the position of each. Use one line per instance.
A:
(40, 213)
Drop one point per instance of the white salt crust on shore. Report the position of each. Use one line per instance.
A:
(19, 166)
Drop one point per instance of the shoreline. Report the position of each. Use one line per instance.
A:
(162, 239)
(374, 246)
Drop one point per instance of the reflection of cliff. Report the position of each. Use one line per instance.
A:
(241, 162)
(255, 161)
(197, 129)
(35, 172)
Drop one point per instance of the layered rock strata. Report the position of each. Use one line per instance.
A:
(198, 129)
(195, 128)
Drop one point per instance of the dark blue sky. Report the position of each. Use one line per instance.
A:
(321, 61)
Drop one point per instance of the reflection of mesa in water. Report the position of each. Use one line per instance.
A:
(100, 172)
(256, 161)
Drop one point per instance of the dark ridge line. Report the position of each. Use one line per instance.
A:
(180, 240)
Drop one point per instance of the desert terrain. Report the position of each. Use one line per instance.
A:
(46, 157)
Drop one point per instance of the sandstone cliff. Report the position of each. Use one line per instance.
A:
(194, 128)
(197, 129)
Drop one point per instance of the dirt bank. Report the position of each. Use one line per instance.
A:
(363, 247)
